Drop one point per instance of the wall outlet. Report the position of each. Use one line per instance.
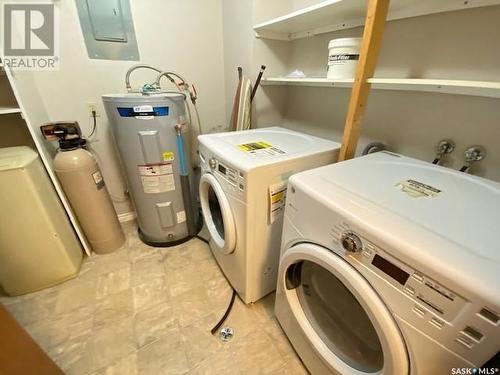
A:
(92, 107)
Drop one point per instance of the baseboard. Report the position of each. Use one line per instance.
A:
(127, 216)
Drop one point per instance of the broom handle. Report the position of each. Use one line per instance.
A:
(257, 82)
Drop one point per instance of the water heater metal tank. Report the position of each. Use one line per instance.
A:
(144, 131)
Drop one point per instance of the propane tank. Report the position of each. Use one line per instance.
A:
(82, 182)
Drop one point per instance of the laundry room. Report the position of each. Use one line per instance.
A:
(249, 187)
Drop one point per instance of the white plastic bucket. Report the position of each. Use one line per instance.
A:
(343, 57)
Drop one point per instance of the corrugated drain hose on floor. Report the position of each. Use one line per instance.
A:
(201, 238)
(229, 307)
(226, 314)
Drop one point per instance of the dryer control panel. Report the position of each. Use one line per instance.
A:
(460, 324)
(234, 176)
(425, 291)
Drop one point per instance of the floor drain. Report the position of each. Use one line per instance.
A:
(226, 334)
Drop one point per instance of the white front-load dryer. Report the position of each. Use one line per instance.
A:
(242, 194)
(390, 266)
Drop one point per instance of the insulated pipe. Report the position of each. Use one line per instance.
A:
(180, 149)
(185, 184)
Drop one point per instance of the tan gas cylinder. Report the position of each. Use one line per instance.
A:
(81, 179)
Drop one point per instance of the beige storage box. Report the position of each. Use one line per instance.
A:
(38, 247)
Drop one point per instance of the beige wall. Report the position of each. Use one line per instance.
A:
(183, 36)
(237, 42)
(241, 48)
(455, 45)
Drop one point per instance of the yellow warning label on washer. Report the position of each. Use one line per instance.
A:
(260, 149)
(417, 189)
(277, 198)
(254, 146)
(168, 156)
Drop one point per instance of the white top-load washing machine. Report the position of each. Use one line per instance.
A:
(390, 266)
(242, 194)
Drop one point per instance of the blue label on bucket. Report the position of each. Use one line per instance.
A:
(144, 110)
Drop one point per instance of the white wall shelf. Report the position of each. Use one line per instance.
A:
(315, 82)
(332, 15)
(473, 88)
(9, 110)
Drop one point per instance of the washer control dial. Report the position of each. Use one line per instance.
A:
(213, 163)
(351, 242)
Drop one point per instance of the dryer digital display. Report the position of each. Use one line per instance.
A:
(390, 269)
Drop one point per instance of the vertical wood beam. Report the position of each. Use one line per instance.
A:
(372, 38)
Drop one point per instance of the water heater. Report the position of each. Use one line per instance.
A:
(154, 147)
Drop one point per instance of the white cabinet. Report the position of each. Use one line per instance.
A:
(21, 113)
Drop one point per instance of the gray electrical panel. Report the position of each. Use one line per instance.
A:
(108, 29)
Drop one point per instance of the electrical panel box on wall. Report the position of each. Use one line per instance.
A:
(108, 29)
(106, 18)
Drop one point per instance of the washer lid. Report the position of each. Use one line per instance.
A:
(251, 148)
(463, 208)
(440, 219)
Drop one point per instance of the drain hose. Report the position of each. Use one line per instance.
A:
(229, 307)
(226, 314)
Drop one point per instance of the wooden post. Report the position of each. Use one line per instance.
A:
(372, 38)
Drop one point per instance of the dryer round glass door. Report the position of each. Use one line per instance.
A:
(217, 214)
(341, 315)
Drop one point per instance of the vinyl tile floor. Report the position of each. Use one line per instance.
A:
(144, 310)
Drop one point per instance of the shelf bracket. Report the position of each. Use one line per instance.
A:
(372, 38)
